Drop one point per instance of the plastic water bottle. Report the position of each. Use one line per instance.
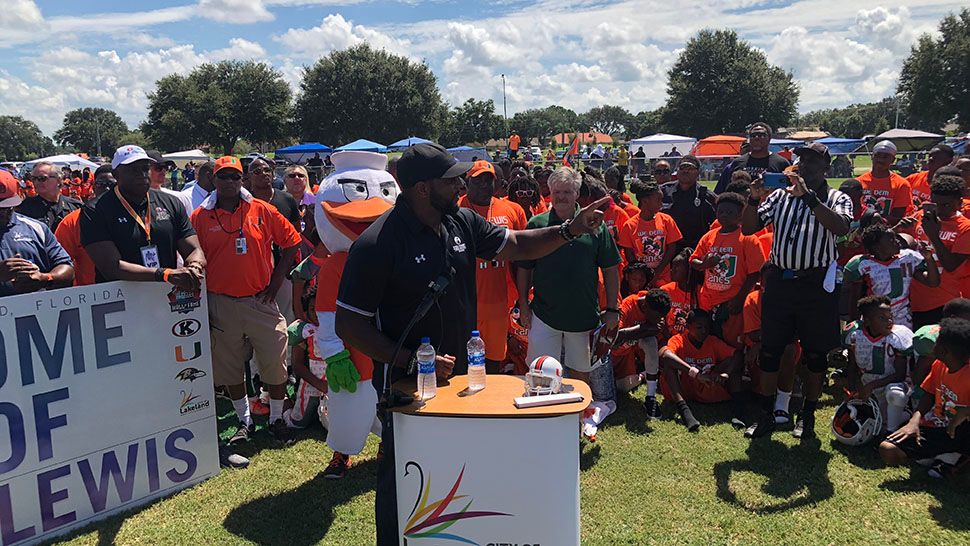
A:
(476, 362)
(427, 384)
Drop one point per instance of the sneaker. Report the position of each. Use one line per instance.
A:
(258, 408)
(803, 432)
(941, 470)
(653, 408)
(782, 417)
(222, 392)
(737, 423)
(280, 432)
(241, 435)
(231, 459)
(339, 464)
(764, 427)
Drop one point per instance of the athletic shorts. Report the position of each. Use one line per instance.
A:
(936, 442)
(570, 348)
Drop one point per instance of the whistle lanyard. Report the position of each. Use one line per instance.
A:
(145, 224)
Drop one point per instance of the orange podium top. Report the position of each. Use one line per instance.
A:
(497, 399)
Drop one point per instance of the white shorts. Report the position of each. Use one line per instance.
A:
(352, 416)
(570, 348)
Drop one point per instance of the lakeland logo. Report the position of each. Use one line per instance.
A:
(184, 301)
(191, 402)
(431, 520)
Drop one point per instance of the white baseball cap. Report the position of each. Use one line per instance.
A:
(128, 153)
(885, 146)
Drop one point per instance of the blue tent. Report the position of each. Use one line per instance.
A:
(362, 145)
(467, 153)
(960, 147)
(407, 143)
(303, 152)
(778, 144)
(841, 146)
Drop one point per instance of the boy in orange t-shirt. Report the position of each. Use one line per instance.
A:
(696, 365)
(938, 424)
(682, 292)
(641, 317)
(884, 190)
(652, 236)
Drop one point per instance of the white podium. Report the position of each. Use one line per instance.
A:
(471, 468)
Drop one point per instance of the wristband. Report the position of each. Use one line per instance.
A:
(50, 278)
(165, 274)
(693, 371)
(564, 231)
(159, 274)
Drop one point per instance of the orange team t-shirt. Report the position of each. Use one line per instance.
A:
(885, 194)
(919, 183)
(614, 217)
(765, 237)
(955, 234)
(514, 142)
(680, 306)
(328, 281)
(649, 239)
(741, 255)
(711, 352)
(493, 278)
(951, 391)
(242, 275)
(69, 235)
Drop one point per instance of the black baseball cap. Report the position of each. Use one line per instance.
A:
(816, 148)
(156, 157)
(947, 150)
(428, 161)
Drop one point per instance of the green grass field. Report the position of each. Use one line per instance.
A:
(642, 483)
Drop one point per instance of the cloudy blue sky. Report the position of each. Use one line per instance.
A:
(56, 55)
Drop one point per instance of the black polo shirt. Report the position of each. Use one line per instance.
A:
(392, 263)
(105, 219)
(692, 209)
(38, 208)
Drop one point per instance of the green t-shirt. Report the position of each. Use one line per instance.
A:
(565, 282)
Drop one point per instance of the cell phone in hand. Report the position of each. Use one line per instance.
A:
(928, 206)
(776, 180)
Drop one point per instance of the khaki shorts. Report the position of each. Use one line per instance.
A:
(240, 327)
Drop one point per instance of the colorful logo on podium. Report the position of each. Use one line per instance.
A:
(430, 521)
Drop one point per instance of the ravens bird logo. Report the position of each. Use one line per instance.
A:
(190, 374)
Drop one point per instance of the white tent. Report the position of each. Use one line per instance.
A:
(76, 162)
(660, 143)
(182, 158)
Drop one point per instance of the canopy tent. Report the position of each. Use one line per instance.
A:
(303, 152)
(807, 135)
(183, 158)
(906, 140)
(661, 143)
(363, 145)
(468, 153)
(778, 144)
(407, 143)
(960, 147)
(718, 146)
(841, 146)
(75, 162)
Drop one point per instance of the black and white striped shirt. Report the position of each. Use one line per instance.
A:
(800, 240)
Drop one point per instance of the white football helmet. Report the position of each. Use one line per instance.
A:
(857, 421)
(544, 376)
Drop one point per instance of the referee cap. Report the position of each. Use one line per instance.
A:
(815, 148)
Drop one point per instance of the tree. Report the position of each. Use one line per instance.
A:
(21, 139)
(362, 92)
(91, 130)
(220, 104)
(543, 123)
(612, 120)
(856, 120)
(935, 79)
(646, 123)
(720, 84)
(474, 121)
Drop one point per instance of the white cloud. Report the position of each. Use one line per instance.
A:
(239, 49)
(18, 14)
(235, 11)
(335, 33)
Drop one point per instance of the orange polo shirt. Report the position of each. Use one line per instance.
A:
(69, 235)
(241, 275)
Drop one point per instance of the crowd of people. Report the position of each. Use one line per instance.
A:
(747, 294)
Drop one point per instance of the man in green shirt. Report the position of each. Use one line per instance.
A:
(565, 308)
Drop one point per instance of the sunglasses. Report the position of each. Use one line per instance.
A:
(524, 193)
(296, 175)
(264, 170)
(157, 167)
(688, 167)
(758, 135)
(661, 171)
(234, 177)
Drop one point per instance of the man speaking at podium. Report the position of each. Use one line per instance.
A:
(423, 251)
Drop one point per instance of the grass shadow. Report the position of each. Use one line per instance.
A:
(865, 456)
(589, 456)
(304, 514)
(788, 471)
(951, 495)
(634, 417)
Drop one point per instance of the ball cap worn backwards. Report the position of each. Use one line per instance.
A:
(9, 190)
(128, 153)
(423, 162)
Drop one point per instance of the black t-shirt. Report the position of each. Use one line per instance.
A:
(290, 209)
(773, 163)
(50, 213)
(391, 265)
(105, 219)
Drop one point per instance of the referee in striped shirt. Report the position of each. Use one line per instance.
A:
(799, 301)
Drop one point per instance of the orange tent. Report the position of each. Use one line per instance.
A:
(718, 146)
(563, 139)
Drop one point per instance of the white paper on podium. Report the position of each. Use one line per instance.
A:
(517, 479)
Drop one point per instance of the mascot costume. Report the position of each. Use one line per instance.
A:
(358, 192)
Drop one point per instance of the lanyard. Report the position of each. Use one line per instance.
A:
(145, 224)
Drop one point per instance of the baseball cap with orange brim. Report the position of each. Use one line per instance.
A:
(479, 167)
(228, 162)
(9, 190)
